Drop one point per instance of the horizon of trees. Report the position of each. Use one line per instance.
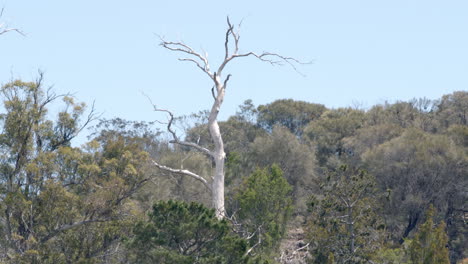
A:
(285, 182)
(357, 184)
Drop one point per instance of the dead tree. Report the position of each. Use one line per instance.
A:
(215, 184)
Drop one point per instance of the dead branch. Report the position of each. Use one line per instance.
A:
(184, 172)
(213, 93)
(4, 27)
(201, 61)
(231, 52)
(259, 242)
(175, 138)
(182, 143)
(272, 58)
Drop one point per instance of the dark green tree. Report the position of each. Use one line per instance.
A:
(343, 224)
(178, 232)
(264, 208)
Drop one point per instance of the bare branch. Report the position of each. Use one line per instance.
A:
(4, 27)
(175, 139)
(225, 81)
(272, 58)
(226, 41)
(184, 172)
(301, 248)
(213, 93)
(259, 242)
(183, 143)
(216, 80)
(5, 30)
(194, 61)
(182, 47)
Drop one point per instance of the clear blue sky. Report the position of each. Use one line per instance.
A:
(363, 51)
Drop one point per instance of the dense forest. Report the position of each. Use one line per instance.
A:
(304, 184)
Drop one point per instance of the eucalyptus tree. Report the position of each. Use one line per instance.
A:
(59, 203)
(215, 183)
(417, 169)
(329, 131)
(295, 159)
(295, 115)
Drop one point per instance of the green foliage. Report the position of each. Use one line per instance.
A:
(452, 109)
(343, 225)
(295, 158)
(294, 115)
(177, 232)
(247, 112)
(264, 209)
(64, 204)
(329, 131)
(60, 204)
(417, 168)
(391, 256)
(429, 245)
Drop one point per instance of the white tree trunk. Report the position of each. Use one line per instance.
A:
(216, 185)
(218, 155)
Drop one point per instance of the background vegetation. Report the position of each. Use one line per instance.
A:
(304, 184)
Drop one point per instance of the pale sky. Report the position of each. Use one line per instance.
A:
(363, 52)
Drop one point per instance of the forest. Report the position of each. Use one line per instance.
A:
(285, 182)
(304, 184)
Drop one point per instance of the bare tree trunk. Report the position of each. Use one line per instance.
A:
(216, 183)
(218, 155)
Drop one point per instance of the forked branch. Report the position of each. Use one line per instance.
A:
(231, 52)
(201, 61)
(232, 35)
(175, 138)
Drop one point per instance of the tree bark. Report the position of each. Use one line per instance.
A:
(218, 91)
(219, 155)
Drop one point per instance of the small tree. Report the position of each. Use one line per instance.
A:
(177, 232)
(58, 203)
(343, 224)
(429, 245)
(214, 184)
(265, 206)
